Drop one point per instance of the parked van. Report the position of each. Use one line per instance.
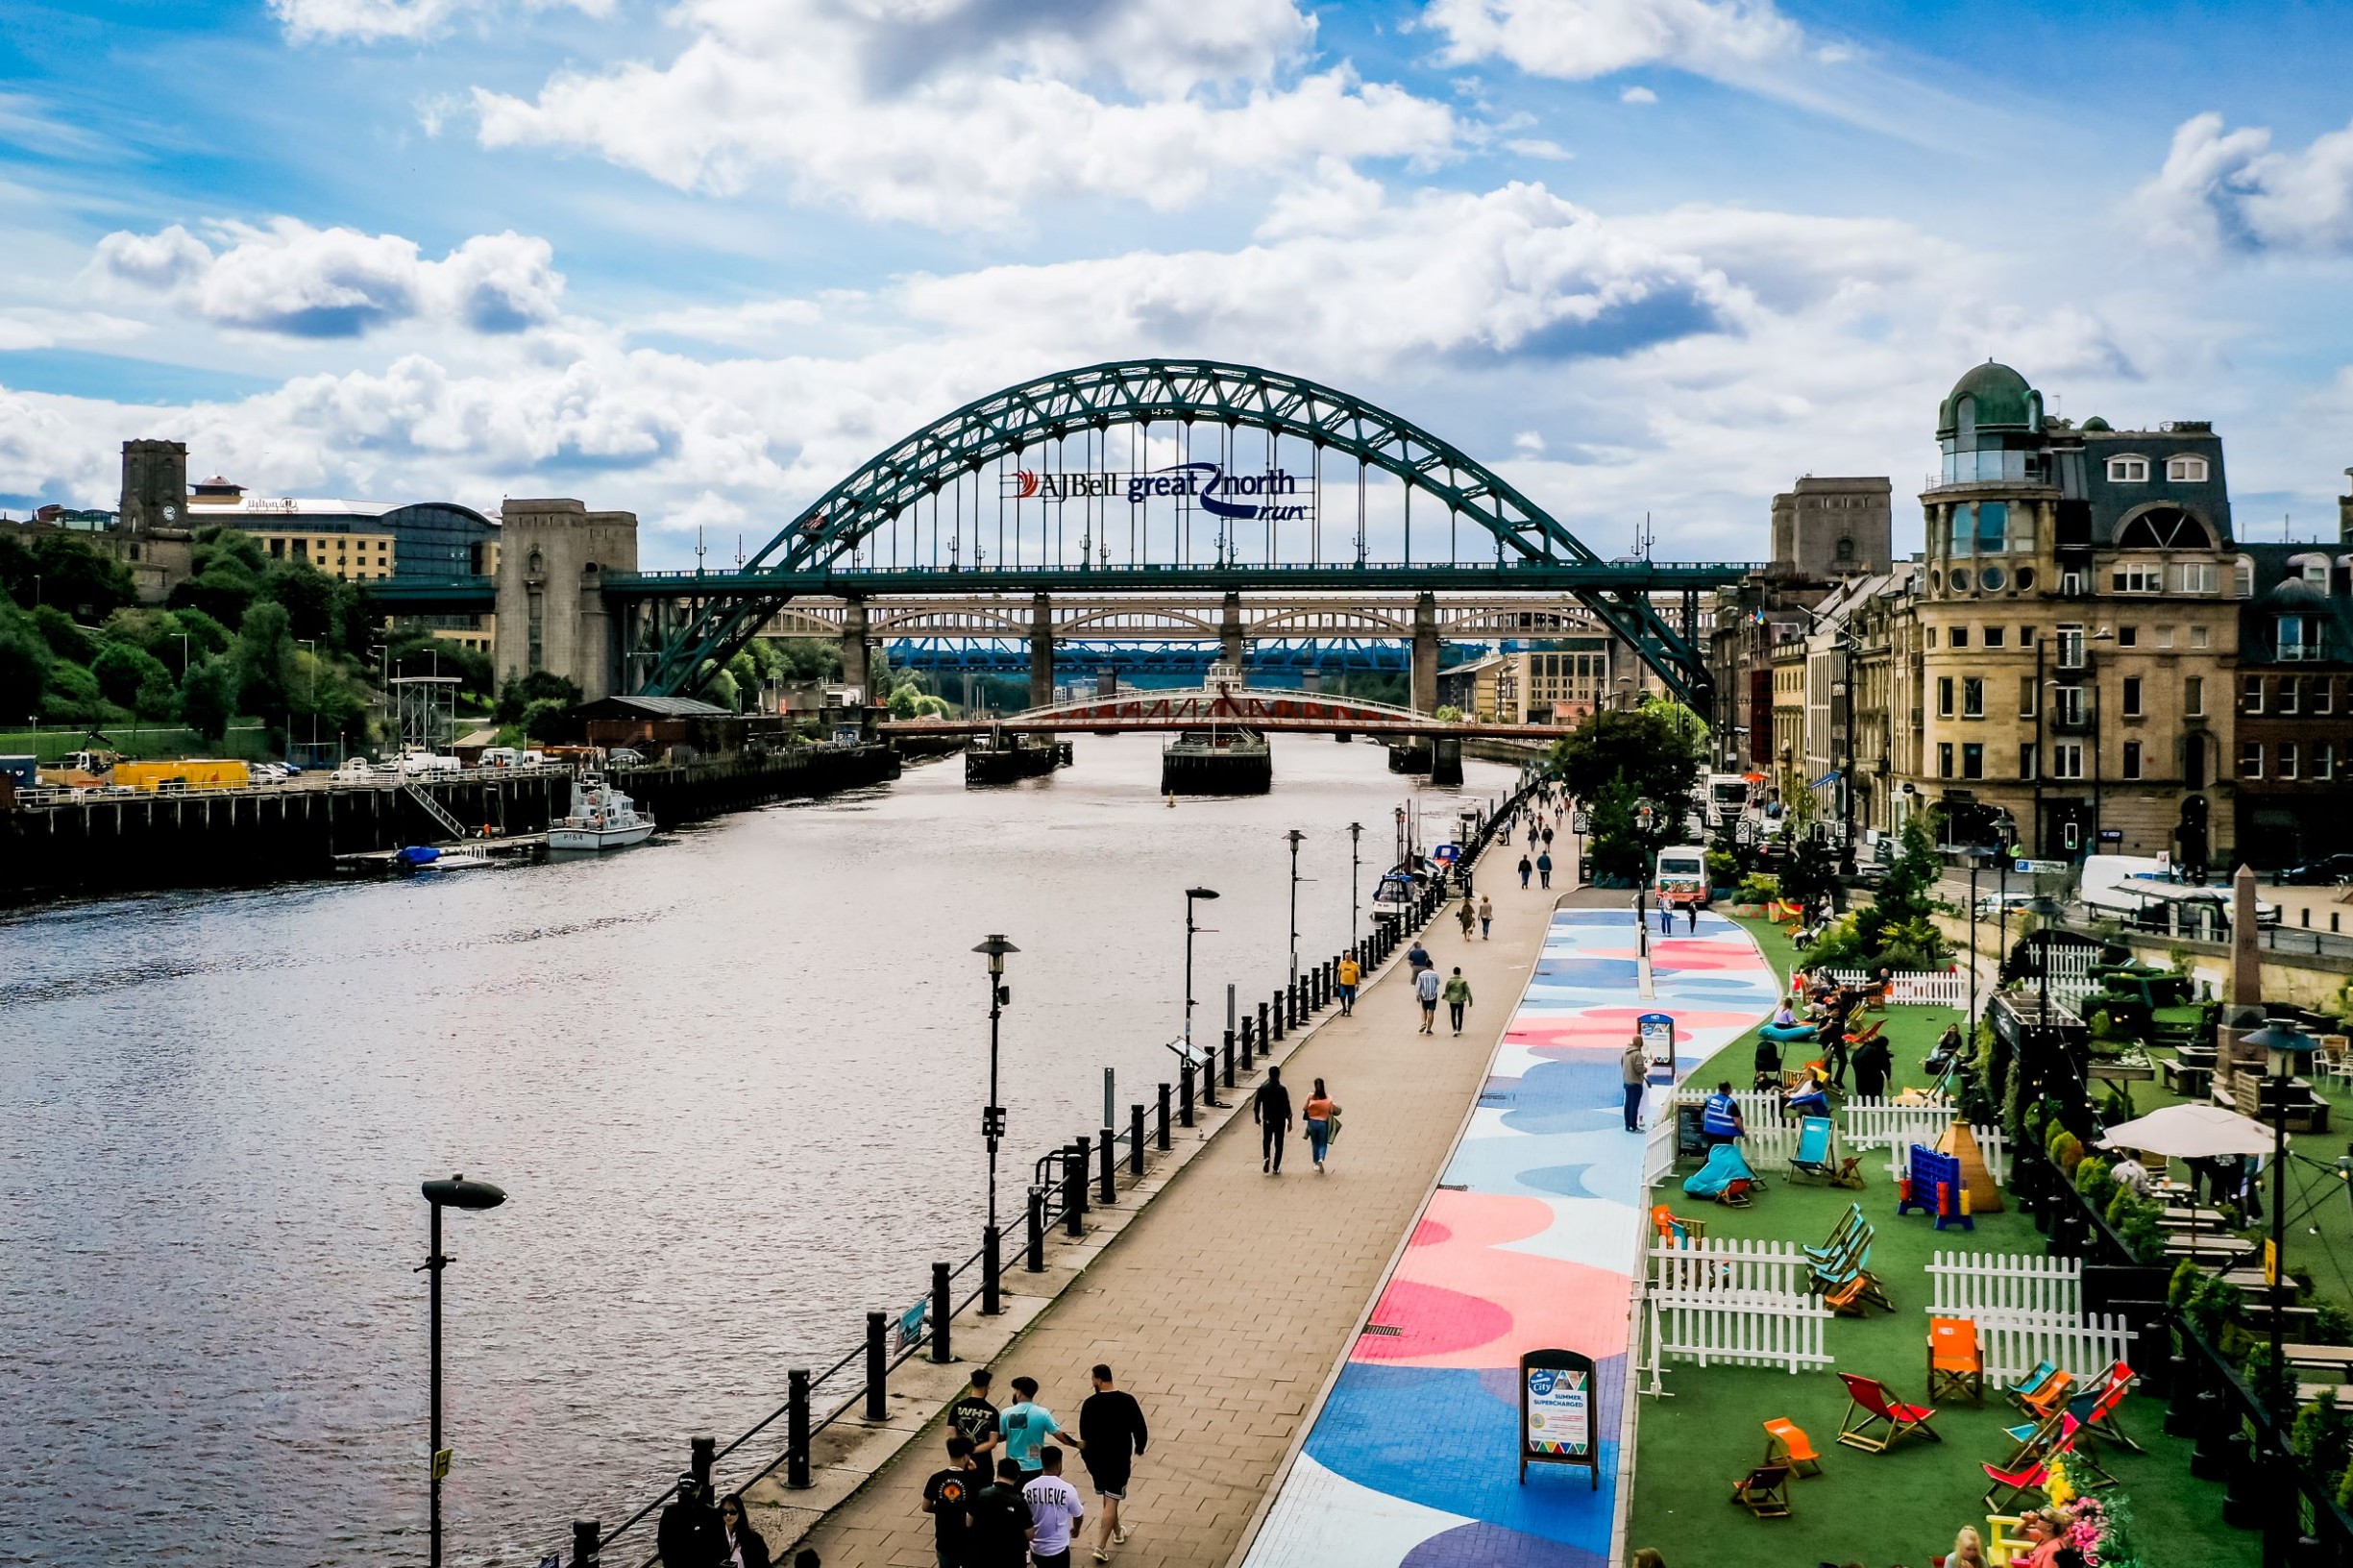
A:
(502, 756)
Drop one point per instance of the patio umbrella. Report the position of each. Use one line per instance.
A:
(2192, 1132)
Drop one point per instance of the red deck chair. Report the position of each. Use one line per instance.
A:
(2034, 1474)
(1878, 1409)
(2096, 1410)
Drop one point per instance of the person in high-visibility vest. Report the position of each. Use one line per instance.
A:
(1720, 1117)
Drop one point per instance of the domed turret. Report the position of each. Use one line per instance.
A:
(1990, 397)
(2096, 423)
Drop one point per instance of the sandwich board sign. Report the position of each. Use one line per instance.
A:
(1557, 1412)
(1657, 1030)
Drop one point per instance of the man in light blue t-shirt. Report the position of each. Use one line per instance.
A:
(1028, 1424)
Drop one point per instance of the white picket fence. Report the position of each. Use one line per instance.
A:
(1875, 1121)
(1741, 1265)
(1758, 1327)
(2014, 1346)
(1658, 1150)
(1910, 988)
(2012, 1286)
(1991, 1144)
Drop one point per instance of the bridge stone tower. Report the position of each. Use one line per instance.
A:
(1424, 653)
(552, 557)
(1040, 653)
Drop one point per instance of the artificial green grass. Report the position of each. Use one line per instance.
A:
(1899, 1508)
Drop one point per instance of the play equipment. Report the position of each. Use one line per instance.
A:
(1934, 1185)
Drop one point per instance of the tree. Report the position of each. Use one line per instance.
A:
(66, 640)
(1810, 874)
(721, 691)
(1901, 910)
(544, 720)
(74, 576)
(264, 659)
(208, 696)
(1615, 762)
(24, 665)
(539, 686)
(131, 677)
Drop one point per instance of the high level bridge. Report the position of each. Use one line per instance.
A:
(1192, 498)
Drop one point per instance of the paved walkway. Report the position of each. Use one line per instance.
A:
(1226, 1304)
(1531, 1243)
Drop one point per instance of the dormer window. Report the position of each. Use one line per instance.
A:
(2127, 471)
(2183, 470)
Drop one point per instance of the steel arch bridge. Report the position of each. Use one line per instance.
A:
(700, 616)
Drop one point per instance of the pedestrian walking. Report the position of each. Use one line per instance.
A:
(1527, 865)
(1457, 997)
(1271, 1109)
(947, 1497)
(1426, 987)
(1055, 1513)
(689, 1532)
(1027, 1424)
(1634, 1072)
(1544, 869)
(975, 1419)
(1487, 919)
(746, 1547)
(1873, 1062)
(1111, 1424)
(1691, 912)
(1000, 1530)
(1351, 972)
(1322, 1116)
(1548, 836)
(1468, 916)
(1417, 957)
(1666, 919)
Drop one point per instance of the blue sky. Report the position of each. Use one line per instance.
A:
(699, 260)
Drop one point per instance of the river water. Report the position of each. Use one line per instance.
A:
(730, 1082)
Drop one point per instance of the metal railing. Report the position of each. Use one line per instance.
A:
(1066, 1182)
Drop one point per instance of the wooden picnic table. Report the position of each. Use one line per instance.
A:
(2193, 1217)
(2339, 1357)
(2251, 1280)
(2206, 1245)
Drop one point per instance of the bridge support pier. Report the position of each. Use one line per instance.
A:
(1040, 653)
(855, 648)
(1424, 653)
(1230, 646)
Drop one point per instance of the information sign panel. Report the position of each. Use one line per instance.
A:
(1556, 1412)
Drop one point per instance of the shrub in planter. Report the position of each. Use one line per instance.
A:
(2322, 1436)
(2211, 1303)
(2093, 1180)
(2186, 1277)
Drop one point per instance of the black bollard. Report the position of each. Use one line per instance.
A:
(1035, 1260)
(1160, 1133)
(587, 1540)
(1074, 1168)
(1209, 1077)
(797, 1429)
(2243, 1487)
(1263, 1036)
(1184, 1095)
(1249, 1051)
(943, 1314)
(1290, 999)
(1108, 1188)
(2210, 1460)
(705, 1454)
(992, 1271)
(877, 1367)
(1135, 1142)
(1278, 1014)
(1229, 1066)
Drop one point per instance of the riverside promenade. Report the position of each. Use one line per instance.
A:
(1531, 1240)
(1226, 1303)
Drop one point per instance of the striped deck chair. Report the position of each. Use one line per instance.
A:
(2094, 1409)
(2011, 1485)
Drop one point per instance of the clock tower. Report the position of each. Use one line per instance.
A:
(155, 485)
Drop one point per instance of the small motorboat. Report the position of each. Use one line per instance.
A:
(602, 818)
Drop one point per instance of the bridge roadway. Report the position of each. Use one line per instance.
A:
(1227, 1305)
(1229, 707)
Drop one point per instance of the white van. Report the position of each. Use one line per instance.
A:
(1680, 875)
(2126, 887)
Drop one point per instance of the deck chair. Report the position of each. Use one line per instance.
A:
(2050, 1399)
(1867, 1399)
(2004, 1545)
(1764, 1491)
(1817, 1155)
(1840, 1233)
(2094, 1409)
(2031, 1385)
(2009, 1485)
(1675, 1228)
(1864, 1036)
(2035, 1440)
(1786, 1443)
(1955, 1362)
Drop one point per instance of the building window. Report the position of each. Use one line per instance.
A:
(1993, 528)
(2250, 693)
(2132, 759)
(2323, 696)
(2025, 762)
(1994, 637)
(2132, 696)
(1973, 760)
(2243, 579)
(2298, 637)
(2027, 694)
(2197, 636)
(2250, 759)
(1944, 698)
(2290, 696)
(2138, 578)
(1963, 529)
(2195, 576)
(1960, 637)
(1944, 759)
(2129, 471)
(1973, 699)
(2067, 759)
(2324, 760)
(2165, 636)
(2186, 470)
(2070, 648)
(2068, 704)
(2286, 766)
(2128, 636)
(2026, 634)
(2193, 697)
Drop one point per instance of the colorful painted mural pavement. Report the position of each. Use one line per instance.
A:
(1529, 1242)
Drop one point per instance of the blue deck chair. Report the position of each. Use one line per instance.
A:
(1817, 1155)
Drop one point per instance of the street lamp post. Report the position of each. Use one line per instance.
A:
(2286, 1049)
(457, 1192)
(1191, 894)
(1294, 836)
(1356, 833)
(992, 1115)
(1977, 853)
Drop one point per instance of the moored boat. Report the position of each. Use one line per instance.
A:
(601, 818)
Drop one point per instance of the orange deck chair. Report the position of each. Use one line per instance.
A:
(1786, 1443)
(1868, 1399)
(1953, 1359)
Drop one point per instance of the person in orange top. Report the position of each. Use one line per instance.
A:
(1351, 972)
(1321, 1114)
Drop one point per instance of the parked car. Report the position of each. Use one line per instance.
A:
(267, 773)
(622, 756)
(2328, 871)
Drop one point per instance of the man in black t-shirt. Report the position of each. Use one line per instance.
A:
(947, 1497)
(975, 1419)
(1110, 1426)
(1000, 1522)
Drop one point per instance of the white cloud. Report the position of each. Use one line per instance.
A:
(1539, 147)
(2229, 190)
(292, 280)
(371, 21)
(958, 113)
(1637, 95)
(1577, 39)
